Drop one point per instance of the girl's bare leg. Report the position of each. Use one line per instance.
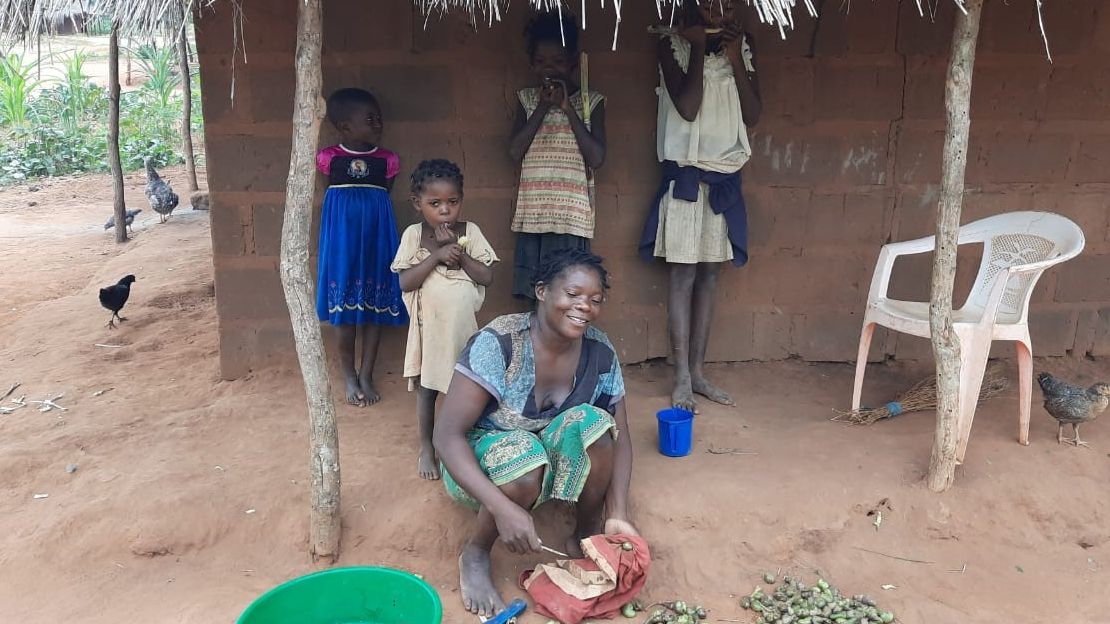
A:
(705, 298)
(428, 464)
(479, 595)
(345, 335)
(678, 320)
(371, 335)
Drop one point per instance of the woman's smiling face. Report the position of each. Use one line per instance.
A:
(572, 301)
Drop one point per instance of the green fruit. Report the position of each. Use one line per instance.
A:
(768, 578)
(680, 607)
(746, 602)
(701, 613)
(887, 617)
(628, 611)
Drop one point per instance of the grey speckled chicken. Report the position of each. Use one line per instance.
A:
(127, 221)
(1072, 405)
(160, 194)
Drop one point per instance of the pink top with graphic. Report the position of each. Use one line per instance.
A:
(325, 156)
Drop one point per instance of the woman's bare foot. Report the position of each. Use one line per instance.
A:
(428, 465)
(701, 385)
(354, 392)
(683, 394)
(613, 526)
(479, 596)
(368, 390)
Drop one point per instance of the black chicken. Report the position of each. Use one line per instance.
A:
(115, 297)
(127, 221)
(160, 194)
(1072, 405)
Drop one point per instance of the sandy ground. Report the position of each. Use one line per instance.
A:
(190, 496)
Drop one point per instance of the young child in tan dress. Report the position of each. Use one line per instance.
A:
(445, 265)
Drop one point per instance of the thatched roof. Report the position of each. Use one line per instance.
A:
(23, 19)
(31, 19)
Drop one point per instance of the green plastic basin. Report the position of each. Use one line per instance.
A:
(356, 595)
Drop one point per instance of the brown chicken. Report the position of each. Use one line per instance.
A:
(1072, 405)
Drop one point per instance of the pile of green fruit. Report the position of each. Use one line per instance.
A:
(677, 612)
(793, 602)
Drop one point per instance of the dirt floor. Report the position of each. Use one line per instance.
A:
(190, 494)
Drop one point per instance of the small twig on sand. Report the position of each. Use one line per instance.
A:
(729, 451)
(49, 404)
(100, 392)
(10, 390)
(19, 401)
(875, 552)
(961, 570)
(108, 346)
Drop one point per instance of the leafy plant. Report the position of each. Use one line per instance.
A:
(74, 98)
(159, 65)
(16, 85)
(49, 151)
(62, 129)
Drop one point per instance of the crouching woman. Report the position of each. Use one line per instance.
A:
(536, 412)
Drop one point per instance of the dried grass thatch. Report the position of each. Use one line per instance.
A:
(141, 19)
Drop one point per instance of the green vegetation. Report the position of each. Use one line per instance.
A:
(60, 126)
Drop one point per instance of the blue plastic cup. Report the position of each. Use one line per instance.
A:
(676, 431)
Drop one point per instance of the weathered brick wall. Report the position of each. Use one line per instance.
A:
(847, 157)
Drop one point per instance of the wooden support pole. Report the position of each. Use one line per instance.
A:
(119, 205)
(308, 111)
(946, 344)
(187, 101)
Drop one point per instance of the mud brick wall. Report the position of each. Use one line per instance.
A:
(847, 157)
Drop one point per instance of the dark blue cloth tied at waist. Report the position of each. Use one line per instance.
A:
(725, 198)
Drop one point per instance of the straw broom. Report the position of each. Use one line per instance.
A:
(922, 396)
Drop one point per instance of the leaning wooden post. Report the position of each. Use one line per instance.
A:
(187, 101)
(297, 282)
(946, 344)
(119, 206)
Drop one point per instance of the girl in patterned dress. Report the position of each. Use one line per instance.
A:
(445, 266)
(559, 139)
(355, 289)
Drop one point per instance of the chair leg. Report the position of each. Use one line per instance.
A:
(973, 365)
(861, 363)
(1025, 389)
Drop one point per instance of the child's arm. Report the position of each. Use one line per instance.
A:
(525, 128)
(685, 88)
(747, 84)
(480, 273)
(591, 141)
(413, 278)
(392, 168)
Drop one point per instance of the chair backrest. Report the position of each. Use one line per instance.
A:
(1016, 238)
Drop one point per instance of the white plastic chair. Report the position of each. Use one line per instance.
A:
(1017, 248)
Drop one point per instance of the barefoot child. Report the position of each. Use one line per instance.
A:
(699, 221)
(355, 290)
(444, 266)
(559, 142)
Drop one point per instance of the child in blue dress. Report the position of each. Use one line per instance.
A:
(355, 290)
